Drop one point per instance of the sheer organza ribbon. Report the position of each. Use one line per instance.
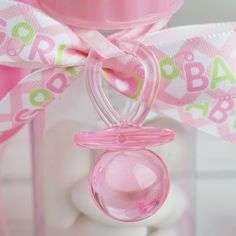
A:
(197, 67)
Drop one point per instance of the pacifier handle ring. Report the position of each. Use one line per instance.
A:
(147, 95)
(99, 101)
(151, 81)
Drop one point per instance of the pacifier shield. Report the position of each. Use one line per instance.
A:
(129, 185)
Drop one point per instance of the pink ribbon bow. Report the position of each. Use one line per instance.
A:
(197, 66)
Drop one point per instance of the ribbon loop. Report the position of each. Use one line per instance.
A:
(197, 67)
(29, 38)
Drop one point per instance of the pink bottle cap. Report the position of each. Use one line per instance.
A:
(109, 14)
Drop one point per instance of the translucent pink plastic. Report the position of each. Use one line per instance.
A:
(110, 14)
(128, 185)
(128, 182)
(144, 102)
(117, 138)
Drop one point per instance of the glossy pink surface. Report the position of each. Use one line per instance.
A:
(109, 13)
(129, 185)
(128, 182)
(129, 138)
(149, 90)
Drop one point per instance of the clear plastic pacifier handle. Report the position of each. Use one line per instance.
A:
(147, 96)
(128, 182)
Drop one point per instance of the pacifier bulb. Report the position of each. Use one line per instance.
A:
(128, 182)
(129, 185)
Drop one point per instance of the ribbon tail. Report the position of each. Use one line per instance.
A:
(199, 117)
(197, 69)
(32, 95)
(29, 38)
(198, 76)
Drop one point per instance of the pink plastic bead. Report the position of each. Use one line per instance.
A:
(129, 185)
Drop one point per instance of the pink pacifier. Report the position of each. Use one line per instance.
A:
(128, 182)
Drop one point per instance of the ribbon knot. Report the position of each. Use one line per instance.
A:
(197, 67)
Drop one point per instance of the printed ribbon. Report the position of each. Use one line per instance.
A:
(197, 64)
